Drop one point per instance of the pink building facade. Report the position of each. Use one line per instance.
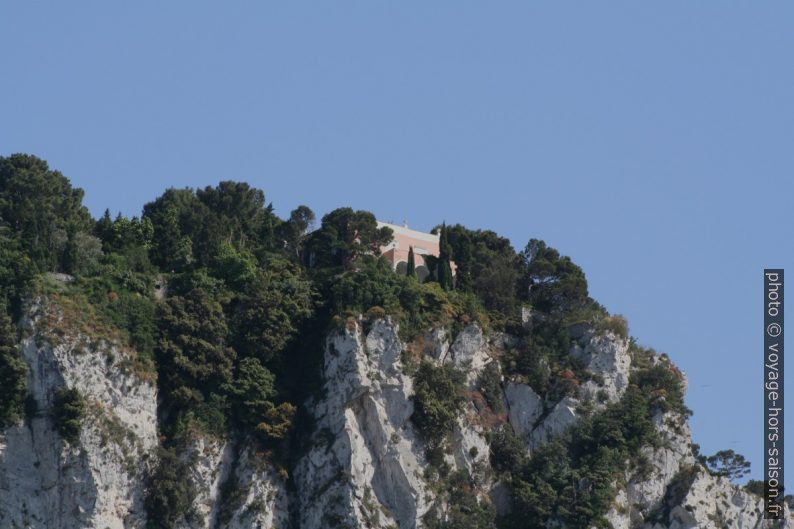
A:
(396, 252)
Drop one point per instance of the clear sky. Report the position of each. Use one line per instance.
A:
(653, 142)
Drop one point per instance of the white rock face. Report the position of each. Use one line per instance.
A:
(215, 463)
(524, 408)
(436, 344)
(44, 482)
(607, 357)
(470, 353)
(708, 502)
(365, 468)
(561, 417)
(265, 503)
(210, 463)
(615, 516)
(470, 447)
(715, 502)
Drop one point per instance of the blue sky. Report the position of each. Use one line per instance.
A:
(651, 142)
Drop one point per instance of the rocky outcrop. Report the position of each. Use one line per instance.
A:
(469, 353)
(366, 463)
(234, 488)
(263, 495)
(606, 358)
(98, 482)
(525, 408)
(714, 502)
(561, 417)
(210, 463)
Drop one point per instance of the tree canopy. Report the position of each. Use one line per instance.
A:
(729, 464)
(346, 235)
(41, 211)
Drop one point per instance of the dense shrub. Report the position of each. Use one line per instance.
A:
(193, 357)
(68, 413)
(269, 314)
(168, 494)
(675, 493)
(508, 452)
(13, 374)
(616, 324)
(464, 510)
(438, 399)
(662, 381)
(415, 305)
(491, 387)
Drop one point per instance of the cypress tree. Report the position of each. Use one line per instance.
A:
(444, 269)
(411, 270)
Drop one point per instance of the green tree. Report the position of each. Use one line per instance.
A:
(122, 233)
(16, 269)
(444, 269)
(552, 283)
(411, 268)
(13, 374)
(190, 226)
(474, 253)
(293, 231)
(755, 486)
(508, 452)
(729, 464)
(41, 208)
(194, 360)
(268, 315)
(253, 390)
(496, 286)
(239, 215)
(236, 267)
(178, 221)
(253, 393)
(346, 235)
(82, 253)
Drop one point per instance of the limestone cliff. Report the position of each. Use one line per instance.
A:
(46, 482)
(366, 462)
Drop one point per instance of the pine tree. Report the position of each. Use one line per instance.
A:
(444, 272)
(411, 270)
